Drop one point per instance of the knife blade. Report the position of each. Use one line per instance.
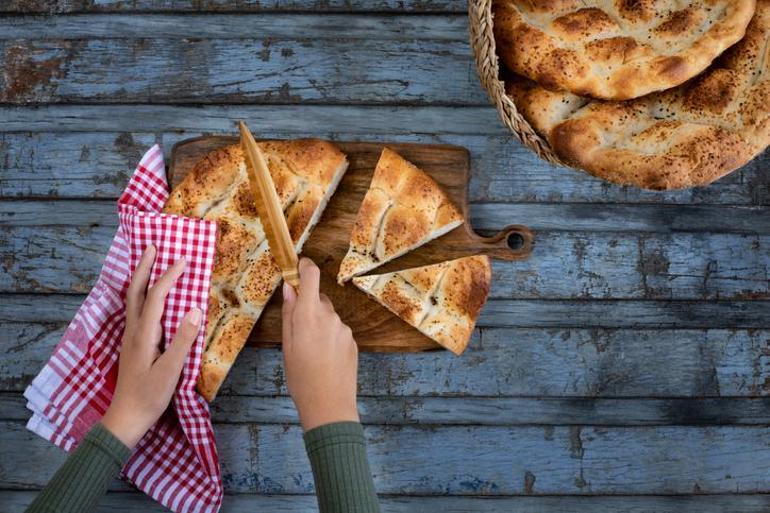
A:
(269, 208)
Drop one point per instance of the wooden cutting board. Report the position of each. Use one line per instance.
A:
(374, 327)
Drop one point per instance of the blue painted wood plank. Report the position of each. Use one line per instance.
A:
(471, 460)
(323, 120)
(485, 411)
(97, 165)
(604, 313)
(59, 247)
(569, 217)
(80, 6)
(366, 26)
(125, 502)
(624, 218)
(314, 68)
(542, 217)
(512, 362)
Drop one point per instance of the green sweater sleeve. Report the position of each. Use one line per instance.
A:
(84, 477)
(343, 480)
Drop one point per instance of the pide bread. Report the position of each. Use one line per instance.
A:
(305, 174)
(683, 137)
(618, 49)
(442, 300)
(403, 209)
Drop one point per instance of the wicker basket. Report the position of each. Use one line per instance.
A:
(483, 43)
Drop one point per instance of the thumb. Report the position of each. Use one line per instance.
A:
(169, 364)
(289, 301)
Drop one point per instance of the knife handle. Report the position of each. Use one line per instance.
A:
(291, 276)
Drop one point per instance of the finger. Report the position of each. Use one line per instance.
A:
(138, 286)
(326, 302)
(169, 365)
(309, 280)
(289, 300)
(156, 295)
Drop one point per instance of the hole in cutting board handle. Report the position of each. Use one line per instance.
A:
(515, 241)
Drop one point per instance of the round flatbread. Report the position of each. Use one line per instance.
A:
(615, 50)
(686, 136)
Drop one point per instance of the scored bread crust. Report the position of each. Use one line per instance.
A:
(687, 136)
(442, 300)
(618, 49)
(305, 173)
(403, 209)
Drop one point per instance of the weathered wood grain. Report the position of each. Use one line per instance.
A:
(120, 502)
(237, 26)
(624, 314)
(518, 362)
(485, 411)
(323, 120)
(571, 217)
(625, 218)
(97, 165)
(330, 68)
(471, 460)
(543, 313)
(59, 247)
(88, 165)
(90, 6)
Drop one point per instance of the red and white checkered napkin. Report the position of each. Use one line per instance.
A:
(176, 462)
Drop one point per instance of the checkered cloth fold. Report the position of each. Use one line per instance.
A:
(176, 462)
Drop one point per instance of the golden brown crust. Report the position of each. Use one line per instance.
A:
(615, 50)
(442, 300)
(403, 209)
(305, 174)
(683, 137)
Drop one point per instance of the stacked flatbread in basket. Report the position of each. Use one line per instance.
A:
(403, 209)
(660, 94)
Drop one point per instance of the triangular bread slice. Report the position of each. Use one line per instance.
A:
(403, 209)
(442, 300)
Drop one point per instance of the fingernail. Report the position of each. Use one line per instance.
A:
(195, 316)
(288, 292)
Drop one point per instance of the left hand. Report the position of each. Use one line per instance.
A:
(146, 378)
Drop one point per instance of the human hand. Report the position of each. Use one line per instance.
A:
(319, 354)
(146, 378)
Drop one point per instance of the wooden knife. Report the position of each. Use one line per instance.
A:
(269, 208)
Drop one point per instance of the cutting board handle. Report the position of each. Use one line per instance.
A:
(514, 242)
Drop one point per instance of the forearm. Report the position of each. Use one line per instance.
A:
(343, 480)
(84, 477)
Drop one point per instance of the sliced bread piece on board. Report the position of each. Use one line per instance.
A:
(442, 300)
(403, 209)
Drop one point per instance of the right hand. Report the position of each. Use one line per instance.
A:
(319, 354)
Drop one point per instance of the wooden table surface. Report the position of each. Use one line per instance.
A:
(624, 367)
